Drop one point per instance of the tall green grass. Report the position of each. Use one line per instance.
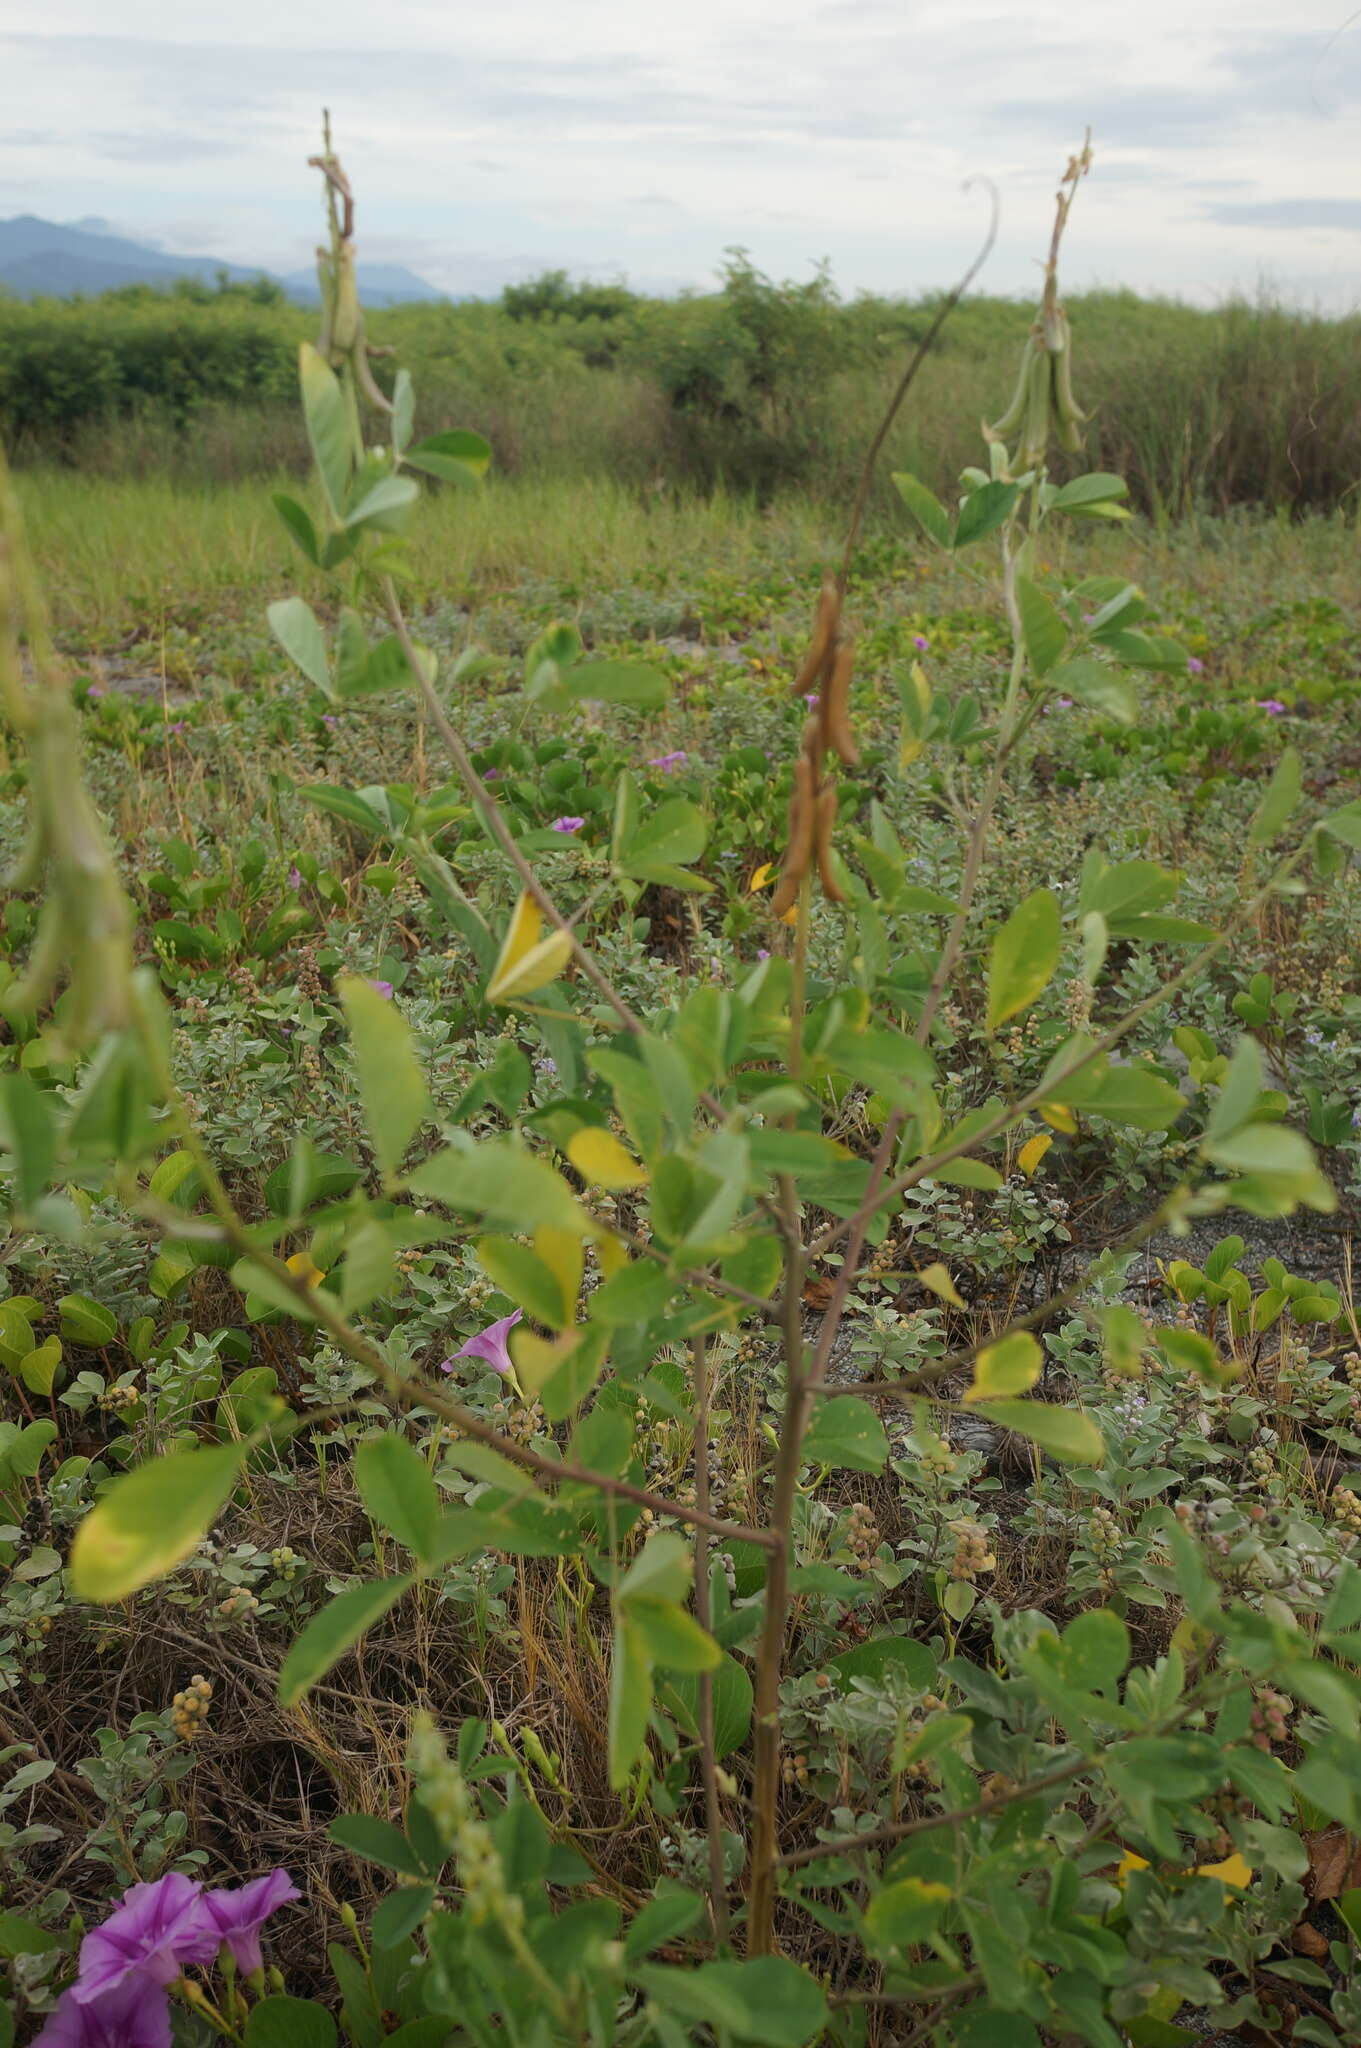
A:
(757, 388)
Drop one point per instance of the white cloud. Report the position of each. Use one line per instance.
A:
(617, 138)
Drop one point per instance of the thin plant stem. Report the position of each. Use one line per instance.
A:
(708, 1754)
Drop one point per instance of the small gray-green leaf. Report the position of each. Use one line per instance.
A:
(294, 625)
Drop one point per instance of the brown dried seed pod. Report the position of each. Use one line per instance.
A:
(825, 623)
(836, 706)
(811, 741)
(802, 825)
(826, 822)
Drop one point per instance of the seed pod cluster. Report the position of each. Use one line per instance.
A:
(342, 340)
(1042, 402)
(824, 678)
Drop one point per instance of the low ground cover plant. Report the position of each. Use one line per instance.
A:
(573, 1346)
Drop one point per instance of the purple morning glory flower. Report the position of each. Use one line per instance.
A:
(295, 878)
(157, 1930)
(666, 762)
(1064, 703)
(567, 824)
(491, 1344)
(239, 1915)
(134, 2014)
(491, 774)
(810, 698)
(384, 988)
(1194, 666)
(178, 726)
(95, 690)
(920, 642)
(763, 952)
(329, 718)
(1272, 706)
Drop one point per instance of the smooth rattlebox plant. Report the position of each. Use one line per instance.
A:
(1030, 1861)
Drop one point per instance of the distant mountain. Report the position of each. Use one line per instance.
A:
(44, 259)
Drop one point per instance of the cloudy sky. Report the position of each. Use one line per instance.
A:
(628, 137)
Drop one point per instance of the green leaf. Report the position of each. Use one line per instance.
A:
(617, 682)
(333, 1629)
(766, 2000)
(1090, 682)
(21, 1937)
(1072, 1438)
(299, 524)
(983, 511)
(1042, 627)
(295, 626)
(504, 1182)
(456, 456)
(1010, 1366)
(38, 1368)
(1025, 953)
(904, 1914)
(672, 837)
(399, 1492)
(527, 1280)
(1239, 1091)
(630, 1700)
(673, 1637)
(1131, 1095)
(881, 1654)
(150, 1519)
(1282, 795)
(281, 2022)
(344, 803)
(391, 1082)
(924, 506)
(328, 425)
(32, 1134)
(403, 410)
(661, 1570)
(385, 507)
(88, 1322)
(732, 1690)
(1344, 825)
(1097, 488)
(377, 1841)
(635, 1294)
(845, 1432)
(1262, 1148)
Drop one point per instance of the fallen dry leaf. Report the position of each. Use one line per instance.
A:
(1334, 1863)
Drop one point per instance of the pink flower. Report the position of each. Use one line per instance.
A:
(567, 824)
(1272, 706)
(239, 1915)
(384, 988)
(157, 1930)
(491, 1344)
(666, 762)
(1194, 667)
(134, 2014)
(920, 642)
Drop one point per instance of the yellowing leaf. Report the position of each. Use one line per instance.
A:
(1061, 1119)
(527, 961)
(1235, 1872)
(600, 1159)
(149, 1519)
(562, 1254)
(1010, 1366)
(303, 1267)
(763, 877)
(937, 1278)
(538, 1358)
(611, 1254)
(1032, 1152)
